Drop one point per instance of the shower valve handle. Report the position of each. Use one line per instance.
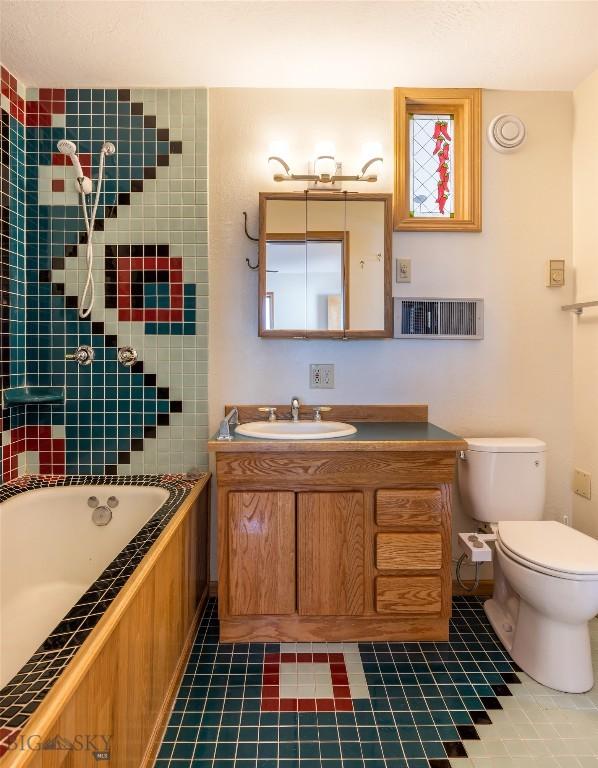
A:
(84, 355)
(127, 356)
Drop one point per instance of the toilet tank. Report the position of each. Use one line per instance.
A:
(503, 478)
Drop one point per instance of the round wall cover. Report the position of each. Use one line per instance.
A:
(506, 132)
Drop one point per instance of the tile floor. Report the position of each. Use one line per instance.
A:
(458, 704)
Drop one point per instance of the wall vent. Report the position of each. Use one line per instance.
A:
(439, 318)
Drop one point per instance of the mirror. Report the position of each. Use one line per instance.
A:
(325, 265)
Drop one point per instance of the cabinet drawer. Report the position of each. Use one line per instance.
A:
(408, 551)
(409, 507)
(408, 594)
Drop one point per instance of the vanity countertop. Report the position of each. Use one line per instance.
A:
(370, 436)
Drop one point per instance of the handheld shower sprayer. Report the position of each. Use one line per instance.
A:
(69, 148)
(84, 186)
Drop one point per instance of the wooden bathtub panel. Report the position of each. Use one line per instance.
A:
(122, 681)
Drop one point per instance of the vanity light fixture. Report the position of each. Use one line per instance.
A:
(325, 176)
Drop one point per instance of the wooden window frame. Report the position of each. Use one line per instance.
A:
(465, 106)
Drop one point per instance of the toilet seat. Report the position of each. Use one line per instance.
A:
(549, 547)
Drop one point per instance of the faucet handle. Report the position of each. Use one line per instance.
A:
(268, 409)
(318, 409)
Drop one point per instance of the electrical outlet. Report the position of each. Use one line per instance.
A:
(582, 484)
(403, 270)
(321, 376)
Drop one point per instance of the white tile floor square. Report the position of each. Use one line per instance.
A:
(539, 728)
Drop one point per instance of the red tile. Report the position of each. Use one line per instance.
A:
(341, 692)
(45, 94)
(288, 657)
(288, 705)
(320, 658)
(58, 158)
(269, 705)
(336, 657)
(57, 94)
(270, 692)
(45, 121)
(340, 678)
(304, 657)
(57, 185)
(325, 705)
(271, 679)
(306, 705)
(343, 705)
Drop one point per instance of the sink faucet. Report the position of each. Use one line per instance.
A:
(295, 409)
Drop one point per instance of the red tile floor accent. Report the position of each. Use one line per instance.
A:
(271, 701)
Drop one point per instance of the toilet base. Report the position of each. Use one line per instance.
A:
(553, 653)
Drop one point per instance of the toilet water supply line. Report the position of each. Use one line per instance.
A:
(474, 584)
(84, 187)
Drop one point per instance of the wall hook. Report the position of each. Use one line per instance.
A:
(253, 239)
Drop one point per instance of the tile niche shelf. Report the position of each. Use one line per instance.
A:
(28, 395)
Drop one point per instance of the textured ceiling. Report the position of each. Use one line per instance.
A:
(511, 45)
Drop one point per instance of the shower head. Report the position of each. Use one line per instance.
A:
(69, 148)
(108, 148)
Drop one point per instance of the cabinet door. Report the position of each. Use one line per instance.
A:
(261, 552)
(330, 551)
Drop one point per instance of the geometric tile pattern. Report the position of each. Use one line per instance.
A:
(429, 705)
(20, 697)
(12, 246)
(150, 271)
(304, 678)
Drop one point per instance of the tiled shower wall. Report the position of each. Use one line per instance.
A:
(12, 252)
(150, 270)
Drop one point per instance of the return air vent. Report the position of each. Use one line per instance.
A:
(439, 318)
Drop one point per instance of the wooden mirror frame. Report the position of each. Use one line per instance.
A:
(465, 106)
(385, 332)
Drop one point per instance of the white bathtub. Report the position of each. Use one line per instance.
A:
(50, 554)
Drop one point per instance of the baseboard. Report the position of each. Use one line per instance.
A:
(157, 734)
(484, 588)
(213, 589)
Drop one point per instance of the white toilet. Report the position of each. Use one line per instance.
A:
(545, 573)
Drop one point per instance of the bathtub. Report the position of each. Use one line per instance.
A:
(72, 589)
(51, 552)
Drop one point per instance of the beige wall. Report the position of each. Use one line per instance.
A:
(585, 333)
(518, 380)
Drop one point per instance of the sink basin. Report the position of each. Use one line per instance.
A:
(295, 430)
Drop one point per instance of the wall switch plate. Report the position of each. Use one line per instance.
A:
(403, 270)
(582, 484)
(556, 273)
(321, 376)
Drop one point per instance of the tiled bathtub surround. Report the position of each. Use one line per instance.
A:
(12, 247)
(24, 692)
(150, 272)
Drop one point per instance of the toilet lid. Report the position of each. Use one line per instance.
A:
(552, 545)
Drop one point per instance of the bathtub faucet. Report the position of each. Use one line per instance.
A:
(230, 420)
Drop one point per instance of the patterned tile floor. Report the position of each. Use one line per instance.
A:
(459, 704)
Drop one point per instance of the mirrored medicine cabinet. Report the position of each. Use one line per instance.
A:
(325, 265)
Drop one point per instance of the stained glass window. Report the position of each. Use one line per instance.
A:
(431, 150)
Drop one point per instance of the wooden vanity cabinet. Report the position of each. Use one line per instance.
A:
(334, 546)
